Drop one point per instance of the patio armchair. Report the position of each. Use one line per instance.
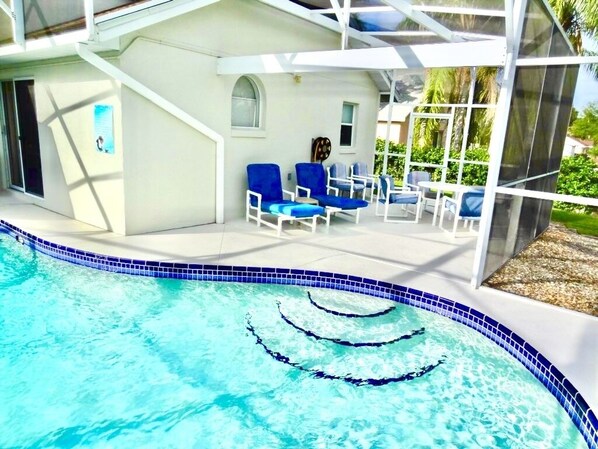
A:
(389, 195)
(311, 182)
(339, 179)
(466, 206)
(413, 180)
(264, 196)
(358, 172)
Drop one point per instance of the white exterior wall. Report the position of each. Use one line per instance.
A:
(178, 58)
(162, 175)
(79, 181)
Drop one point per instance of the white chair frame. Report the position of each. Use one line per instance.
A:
(456, 217)
(310, 222)
(403, 190)
(369, 178)
(345, 180)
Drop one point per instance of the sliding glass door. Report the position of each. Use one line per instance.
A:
(21, 136)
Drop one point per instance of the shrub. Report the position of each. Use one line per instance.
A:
(579, 177)
(472, 174)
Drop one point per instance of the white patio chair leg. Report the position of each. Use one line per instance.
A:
(455, 224)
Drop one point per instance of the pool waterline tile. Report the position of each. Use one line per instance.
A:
(561, 388)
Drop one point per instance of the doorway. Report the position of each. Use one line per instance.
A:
(21, 137)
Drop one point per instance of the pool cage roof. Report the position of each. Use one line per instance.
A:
(389, 39)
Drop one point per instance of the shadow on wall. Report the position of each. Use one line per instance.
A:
(59, 161)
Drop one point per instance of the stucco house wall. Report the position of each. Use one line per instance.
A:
(79, 181)
(295, 110)
(162, 175)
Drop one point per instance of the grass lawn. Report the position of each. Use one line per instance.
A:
(582, 223)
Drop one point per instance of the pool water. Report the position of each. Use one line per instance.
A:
(96, 359)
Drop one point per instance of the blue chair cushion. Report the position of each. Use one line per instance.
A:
(346, 186)
(286, 207)
(471, 204)
(396, 198)
(265, 179)
(313, 176)
(340, 202)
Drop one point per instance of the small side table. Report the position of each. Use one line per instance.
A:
(306, 200)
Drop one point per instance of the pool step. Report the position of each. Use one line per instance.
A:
(355, 306)
(349, 377)
(365, 332)
(362, 351)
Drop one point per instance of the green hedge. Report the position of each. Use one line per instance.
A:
(579, 173)
(579, 177)
(473, 175)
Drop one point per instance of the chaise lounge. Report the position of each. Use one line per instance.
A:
(265, 197)
(311, 181)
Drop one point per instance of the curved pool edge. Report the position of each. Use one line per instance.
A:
(549, 375)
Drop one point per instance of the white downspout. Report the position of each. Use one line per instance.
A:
(166, 105)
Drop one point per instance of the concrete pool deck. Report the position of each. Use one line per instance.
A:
(415, 255)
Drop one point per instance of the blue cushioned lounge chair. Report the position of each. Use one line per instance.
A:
(311, 182)
(265, 197)
(467, 206)
(338, 178)
(360, 175)
(389, 194)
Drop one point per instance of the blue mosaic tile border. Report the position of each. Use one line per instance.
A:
(548, 374)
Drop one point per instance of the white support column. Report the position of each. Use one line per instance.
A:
(169, 107)
(89, 19)
(447, 143)
(467, 123)
(18, 17)
(347, 19)
(515, 14)
(391, 100)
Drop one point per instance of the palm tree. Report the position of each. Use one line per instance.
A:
(579, 19)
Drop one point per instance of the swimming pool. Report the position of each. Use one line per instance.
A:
(97, 359)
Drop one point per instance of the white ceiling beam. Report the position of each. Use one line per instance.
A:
(4, 7)
(325, 22)
(464, 54)
(406, 8)
(464, 34)
(557, 60)
(422, 8)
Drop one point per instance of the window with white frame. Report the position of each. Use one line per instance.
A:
(348, 124)
(245, 104)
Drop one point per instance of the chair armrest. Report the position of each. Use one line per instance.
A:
(364, 178)
(304, 189)
(448, 199)
(258, 196)
(289, 193)
(405, 190)
(345, 180)
(334, 189)
(413, 186)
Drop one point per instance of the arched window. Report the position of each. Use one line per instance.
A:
(246, 104)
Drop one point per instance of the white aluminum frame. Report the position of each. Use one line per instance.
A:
(405, 7)
(515, 15)
(491, 53)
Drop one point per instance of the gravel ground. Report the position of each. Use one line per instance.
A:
(560, 268)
